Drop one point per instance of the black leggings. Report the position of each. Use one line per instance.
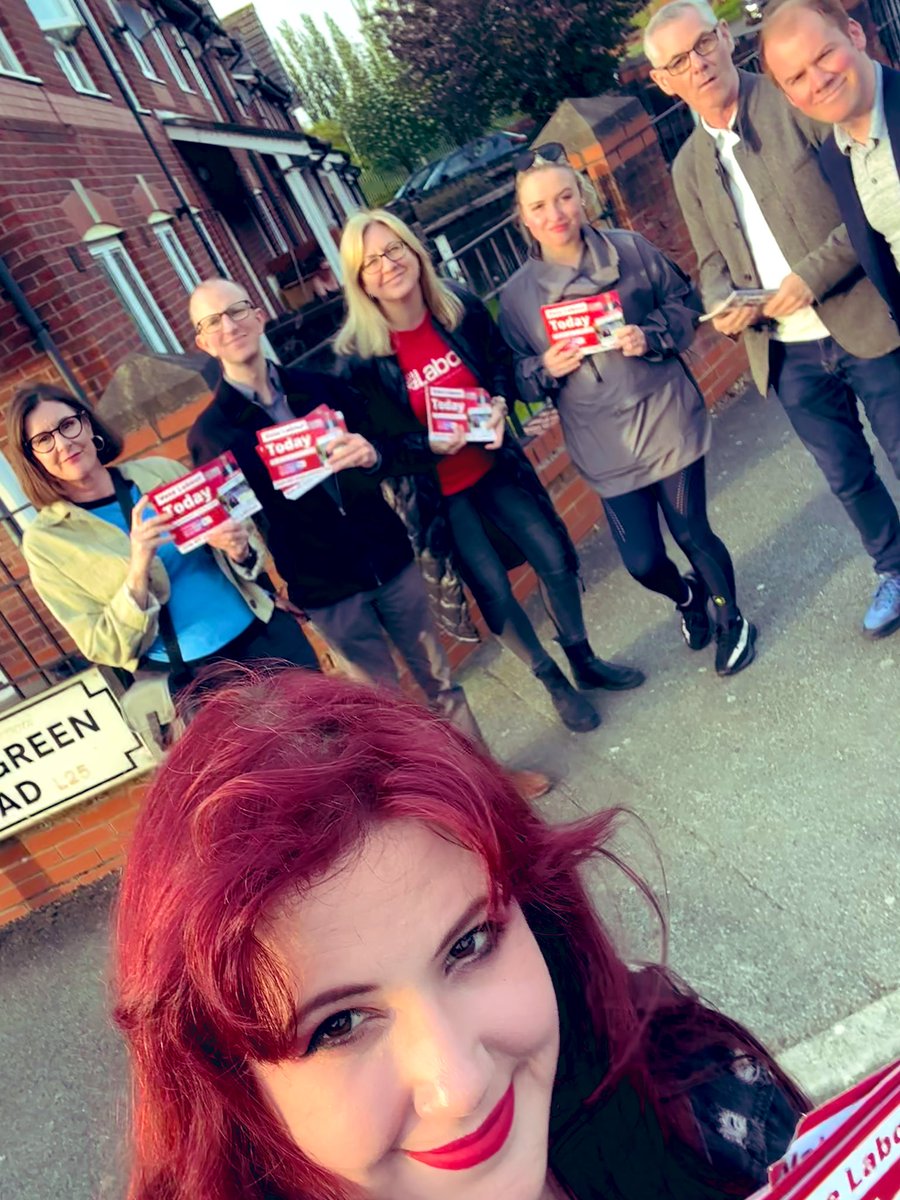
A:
(634, 521)
(517, 514)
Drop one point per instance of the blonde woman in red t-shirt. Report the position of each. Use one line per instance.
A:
(475, 509)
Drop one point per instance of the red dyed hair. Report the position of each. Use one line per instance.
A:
(274, 782)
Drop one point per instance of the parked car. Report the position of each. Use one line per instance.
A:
(483, 152)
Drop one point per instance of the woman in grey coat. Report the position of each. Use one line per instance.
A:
(633, 418)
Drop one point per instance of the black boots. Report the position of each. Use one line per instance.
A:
(592, 672)
(575, 712)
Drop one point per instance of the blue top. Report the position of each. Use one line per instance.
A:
(207, 611)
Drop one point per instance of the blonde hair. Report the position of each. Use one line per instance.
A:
(590, 200)
(366, 331)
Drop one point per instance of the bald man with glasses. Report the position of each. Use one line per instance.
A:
(760, 215)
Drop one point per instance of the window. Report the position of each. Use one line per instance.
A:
(177, 256)
(55, 16)
(72, 66)
(134, 45)
(273, 231)
(9, 64)
(197, 74)
(59, 20)
(170, 61)
(225, 76)
(135, 296)
(121, 77)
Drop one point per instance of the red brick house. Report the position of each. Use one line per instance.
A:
(141, 149)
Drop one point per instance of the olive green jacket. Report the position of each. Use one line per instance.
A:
(78, 564)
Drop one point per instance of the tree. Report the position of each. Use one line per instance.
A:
(484, 56)
(313, 67)
(386, 117)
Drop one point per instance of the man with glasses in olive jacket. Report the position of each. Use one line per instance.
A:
(760, 215)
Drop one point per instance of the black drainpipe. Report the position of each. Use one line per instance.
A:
(39, 330)
(183, 205)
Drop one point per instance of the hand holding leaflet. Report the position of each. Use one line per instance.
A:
(590, 322)
(199, 503)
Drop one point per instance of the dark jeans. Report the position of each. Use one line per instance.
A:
(518, 515)
(819, 384)
(634, 522)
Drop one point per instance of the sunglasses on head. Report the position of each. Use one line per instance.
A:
(550, 152)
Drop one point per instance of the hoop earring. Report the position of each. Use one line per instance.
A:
(98, 441)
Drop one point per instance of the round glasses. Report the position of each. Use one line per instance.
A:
(69, 428)
(705, 47)
(239, 311)
(393, 252)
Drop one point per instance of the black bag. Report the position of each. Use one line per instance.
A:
(179, 673)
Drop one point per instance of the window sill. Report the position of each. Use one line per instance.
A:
(154, 79)
(20, 75)
(91, 94)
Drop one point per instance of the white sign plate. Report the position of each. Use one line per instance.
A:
(62, 747)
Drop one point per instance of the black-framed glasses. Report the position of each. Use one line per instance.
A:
(239, 311)
(550, 152)
(393, 252)
(68, 428)
(705, 47)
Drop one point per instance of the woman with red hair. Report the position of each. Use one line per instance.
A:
(354, 963)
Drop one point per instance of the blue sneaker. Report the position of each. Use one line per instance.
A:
(883, 616)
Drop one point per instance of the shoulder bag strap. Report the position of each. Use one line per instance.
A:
(164, 620)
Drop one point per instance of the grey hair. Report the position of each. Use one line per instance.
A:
(670, 13)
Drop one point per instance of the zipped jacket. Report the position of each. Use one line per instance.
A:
(409, 464)
(339, 538)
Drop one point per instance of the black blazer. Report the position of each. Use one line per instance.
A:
(871, 247)
(338, 539)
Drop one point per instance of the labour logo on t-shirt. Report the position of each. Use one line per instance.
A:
(434, 370)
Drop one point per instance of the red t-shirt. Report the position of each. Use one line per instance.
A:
(425, 357)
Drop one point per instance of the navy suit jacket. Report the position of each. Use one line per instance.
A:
(871, 247)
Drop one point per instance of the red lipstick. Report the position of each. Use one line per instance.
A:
(475, 1147)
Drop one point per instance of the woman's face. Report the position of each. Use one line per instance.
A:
(550, 206)
(427, 1034)
(388, 280)
(69, 459)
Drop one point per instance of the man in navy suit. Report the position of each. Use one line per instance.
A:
(817, 55)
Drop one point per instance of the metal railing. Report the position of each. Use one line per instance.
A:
(485, 263)
(24, 669)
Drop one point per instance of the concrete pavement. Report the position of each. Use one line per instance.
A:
(766, 804)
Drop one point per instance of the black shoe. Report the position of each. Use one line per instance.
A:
(575, 712)
(735, 646)
(592, 672)
(696, 623)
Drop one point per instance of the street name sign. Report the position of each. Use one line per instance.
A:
(63, 746)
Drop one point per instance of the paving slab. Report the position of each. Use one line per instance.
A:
(765, 816)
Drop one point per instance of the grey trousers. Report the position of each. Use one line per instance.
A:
(357, 626)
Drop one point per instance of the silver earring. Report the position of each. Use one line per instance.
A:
(98, 441)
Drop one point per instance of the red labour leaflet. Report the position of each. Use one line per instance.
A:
(294, 452)
(848, 1149)
(200, 502)
(590, 322)
(450, 409)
